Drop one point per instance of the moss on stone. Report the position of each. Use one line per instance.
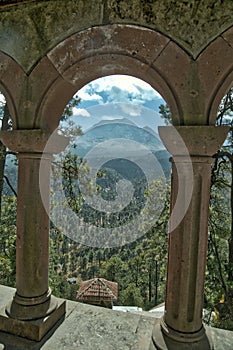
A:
(28, 31)
(193, 24)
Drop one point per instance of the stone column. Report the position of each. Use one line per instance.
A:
(33, 298)
(192, 148)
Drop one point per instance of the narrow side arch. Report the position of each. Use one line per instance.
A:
(11, 78)
(216, 72)
(222, 89)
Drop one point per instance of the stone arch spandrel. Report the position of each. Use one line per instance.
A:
(106, 50)
(25, 92)
(219, 58)
(39, 83)
(227, 83)
(52, 104)
(11, 80)
(180, 72)
(215, 66)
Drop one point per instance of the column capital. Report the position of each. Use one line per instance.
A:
(34, 141)
(194, 141)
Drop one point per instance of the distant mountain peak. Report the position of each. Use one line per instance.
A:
(116, 121)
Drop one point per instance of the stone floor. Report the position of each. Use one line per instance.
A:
(88, 327)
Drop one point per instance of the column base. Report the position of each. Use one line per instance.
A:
(27, 309)
(32, 329)
(164, 338)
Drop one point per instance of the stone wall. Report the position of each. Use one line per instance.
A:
(30, 29)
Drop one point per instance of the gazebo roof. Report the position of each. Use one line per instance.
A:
(98, 289)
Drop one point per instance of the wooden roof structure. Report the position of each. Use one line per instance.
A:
(97, 290)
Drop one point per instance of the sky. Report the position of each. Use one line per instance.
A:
(118, 97)
(2, 98)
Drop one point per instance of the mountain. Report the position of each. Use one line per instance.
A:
(140, 114)
(121, 121)
(113, 141)
(119, 128)
(135, 145)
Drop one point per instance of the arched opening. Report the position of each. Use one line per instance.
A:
(219, 280)
(8, 188)
(90, 54)
(113, 124)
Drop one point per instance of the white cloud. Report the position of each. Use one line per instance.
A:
(123, 87)
(122, 82)
(131, 109)
(108, 117)
(2, 98)
(81, 112)
(118, 88)
(87, 94)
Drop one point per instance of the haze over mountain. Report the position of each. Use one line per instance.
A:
(140, 115)
(121, 139)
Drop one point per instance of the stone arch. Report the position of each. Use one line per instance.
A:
(223, 88)
(107, 50)
(216, 73)
(11, 77)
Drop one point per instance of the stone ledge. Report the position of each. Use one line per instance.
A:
(87, 327)
(35, 329)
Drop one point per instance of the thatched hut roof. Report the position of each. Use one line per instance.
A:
(97, 289)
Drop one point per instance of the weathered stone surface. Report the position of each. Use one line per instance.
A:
(192, 148)
(175, 65)
(228, 36)
(212, 69)
(33, 141)
(142, 44)
(89, 327)
(192, 24)
(193, 140)
(33, 298)
(31, 329)
(28, 31)
(106, 330)
(11, 81)
(216, 339)
(107, 50)
(33, 90)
